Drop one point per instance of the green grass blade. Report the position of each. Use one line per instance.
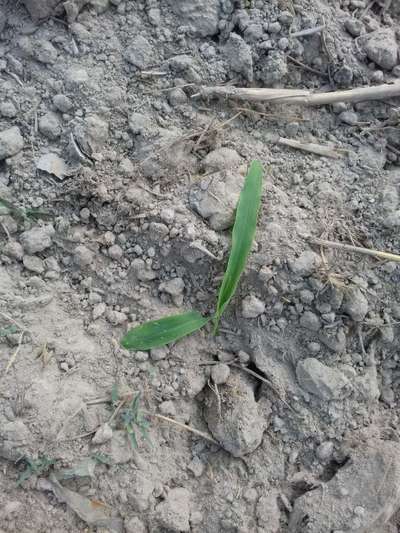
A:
(163, 331)
(242, 236)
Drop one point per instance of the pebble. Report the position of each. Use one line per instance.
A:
(354, 26)
(50, 126)
(99, 310)
(33, 263)
(348, 117)
(13, 249)
(310, 320)
(239, 56)
(381, 48)
(324, 451)
(62, 103)
(237, 424)
(221, 159)
(83, 256)
(344, 76)
(173, 513)
(177, 97)
(37, 239)
(305, 264)
(8, 110)
(11, 142)
(134, 525)
(323, 381)
(115, 252)
(157, 354)
(268, 512)
(252, 307)
(140, 53)
(103, 434)
(355, 304)
(220, 373)
(116, 318)
(138, 123)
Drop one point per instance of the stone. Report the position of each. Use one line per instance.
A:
(39, 49)
(220, 373)
(177, 97)
(354, 26)
(142, 271)
(157, 354)
(116, 318)
(140, 492)
(62, 103)
(13, 249)
(215, 198)
(344, 76)
(355, 304)
(174, 512)
(268, 513)
(14, 437)
(100, 6)
(235, 422)
(272, 68)
(53, 164)
(323, 381)
(126, 167)
(310, 320)
(8, 110)
(325, 450)
(350, 500)
(221, 159)
(11, 142)
(115, 252)
(99, 310)
(139, 124)
(202, 16)
(121, 449)
(140, 53)
(381, 48)
(82, 256)
(348, 117)
(41, 9)
(103, 434)
(33, 263)
(37, 239)
(305, 264)
(134, 525)
(238, 56)
(252, 307)
(50, 126)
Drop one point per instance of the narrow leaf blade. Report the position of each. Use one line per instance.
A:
(160, 332)
(242, 236)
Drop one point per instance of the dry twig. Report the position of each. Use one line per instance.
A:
(387, 256)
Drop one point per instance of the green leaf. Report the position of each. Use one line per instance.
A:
(163, 331)
(242, 236)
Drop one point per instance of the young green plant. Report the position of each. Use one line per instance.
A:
(156, 333)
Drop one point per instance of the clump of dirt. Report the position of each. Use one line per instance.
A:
(118, 185)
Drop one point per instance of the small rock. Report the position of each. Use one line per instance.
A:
(116, 317)
(44, 52)
(50, 126)
(14, 436)
(141, 357)
(238, 426)
(325, 450)
(134, 525)
(354, 26)
(381, 48)
(11, 142)
(103, 434)
(239, 57)
(41, 9)
(344, 76)
(174, 288)
(83, 256)
(33, 263)
(220, 373)
(252, 307)
(272, 68)
(8, 110)
(139, 124)
(167, 408)
(140, 53)
(115, 252)
(305, 264)
(100, 6)
(174, 512)
(121, 450)
(157, 354)
(37, 239)
(321, 380)
(99, 310)
(310, 320)
(14, 249)
(355, 304)
(62, 103)
(177, 97)
(348, 117)
(349, 501)
(268, 513)
(221, 159)
(53, 164)
(126, 167)
(203, 17)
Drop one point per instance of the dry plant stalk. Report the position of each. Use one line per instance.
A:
(302, 97)
(387, 256)
(312, 148)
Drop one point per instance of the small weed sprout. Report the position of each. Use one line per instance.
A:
(35, 467)
(171, 328)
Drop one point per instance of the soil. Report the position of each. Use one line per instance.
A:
(118, 184)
